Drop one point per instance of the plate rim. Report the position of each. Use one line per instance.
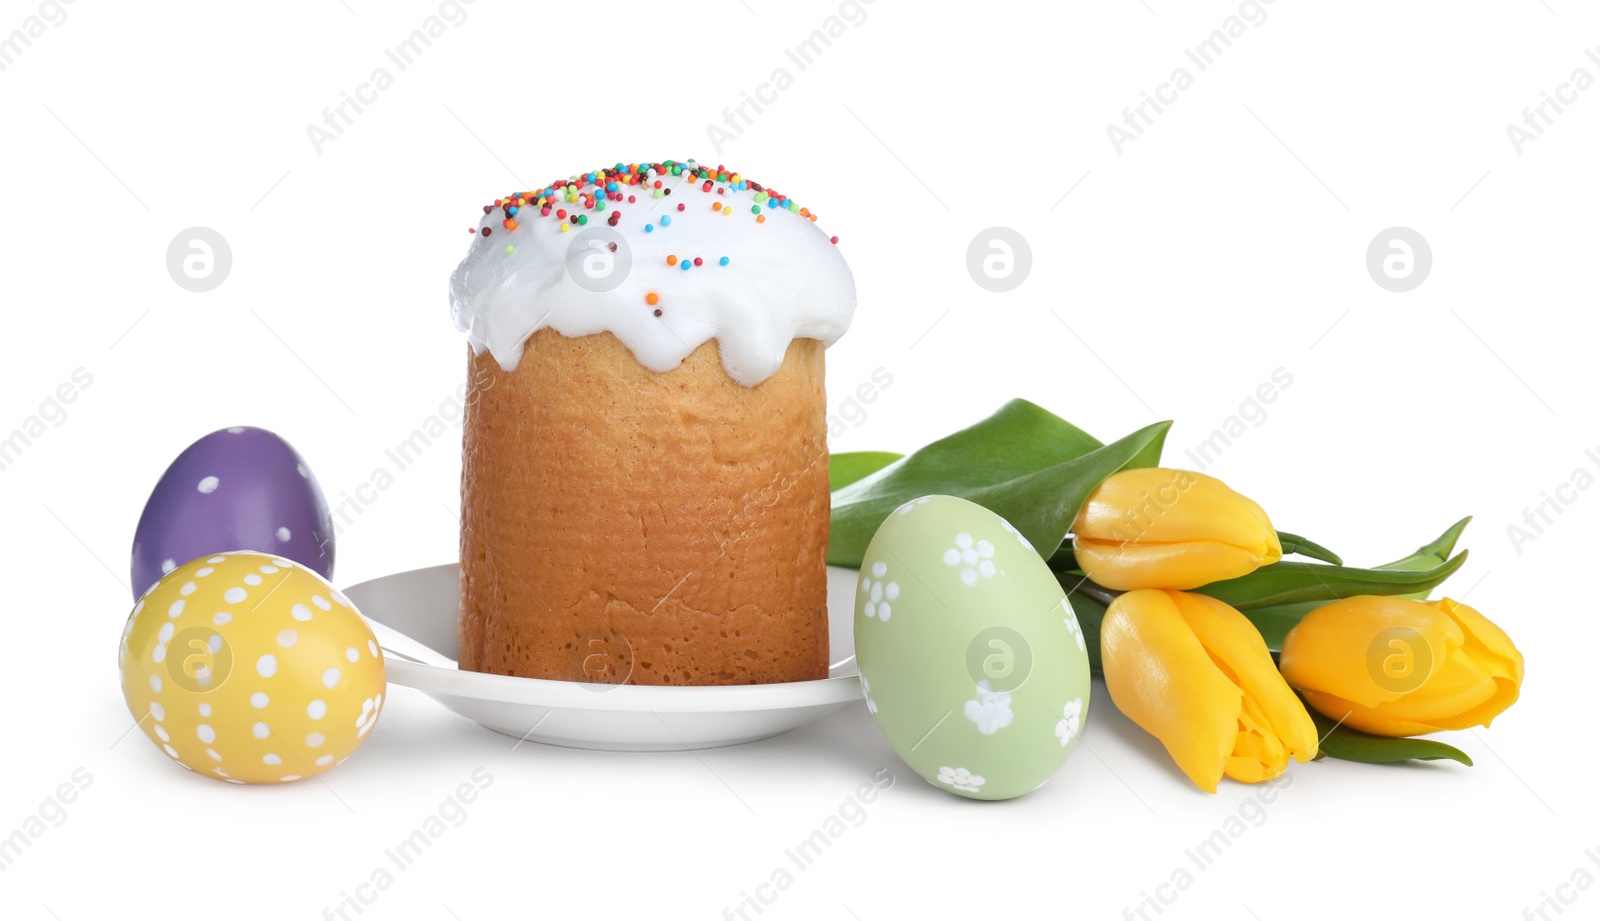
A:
(546, 692)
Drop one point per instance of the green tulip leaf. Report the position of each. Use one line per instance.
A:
(1025, 464)
(1294, 544)
(1346, 744)
(1284, 583)
(1063, 560)
(1276, 620)
(844, 469)
(1432, 553)
(1429, 555)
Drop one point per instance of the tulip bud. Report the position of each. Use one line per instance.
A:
(1196, 674)
(1160, 528)
(1397, 667)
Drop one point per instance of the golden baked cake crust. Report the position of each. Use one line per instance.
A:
(622, 525)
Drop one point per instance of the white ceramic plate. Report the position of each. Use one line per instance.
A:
(414, 614)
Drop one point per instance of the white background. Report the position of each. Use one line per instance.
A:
(1226, 242)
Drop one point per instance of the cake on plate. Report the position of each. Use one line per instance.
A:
(644, 484)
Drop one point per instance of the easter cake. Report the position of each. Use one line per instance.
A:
(645, 468)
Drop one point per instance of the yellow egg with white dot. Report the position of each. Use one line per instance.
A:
(249, 668)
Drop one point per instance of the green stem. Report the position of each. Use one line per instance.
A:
(1098, 593)
(1295, 544)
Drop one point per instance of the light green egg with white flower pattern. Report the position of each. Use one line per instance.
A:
(971, 659)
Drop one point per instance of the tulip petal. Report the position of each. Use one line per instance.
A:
(1468, 670)
(1343, 648)
(1366, 719)
(1505, 695)
(1434, 705)
(1162, 528)
(1162, 505)
(1160, 676)
(1141, 564)
(1493, 652)
(1469, 703)
(1237, 647)
(1258, 753)
(1485, 633)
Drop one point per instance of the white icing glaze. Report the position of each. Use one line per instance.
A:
(785, 279)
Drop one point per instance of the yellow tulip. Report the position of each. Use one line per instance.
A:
(1161, 528)
(1196, 674)
(1397, 667)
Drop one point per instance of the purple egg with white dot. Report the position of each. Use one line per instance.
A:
(240, 488)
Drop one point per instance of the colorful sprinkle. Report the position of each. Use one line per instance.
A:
(596, 190)
(653, 299)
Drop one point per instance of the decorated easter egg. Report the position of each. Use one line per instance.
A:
(250, 668)
(971, 659)
(241, 488)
